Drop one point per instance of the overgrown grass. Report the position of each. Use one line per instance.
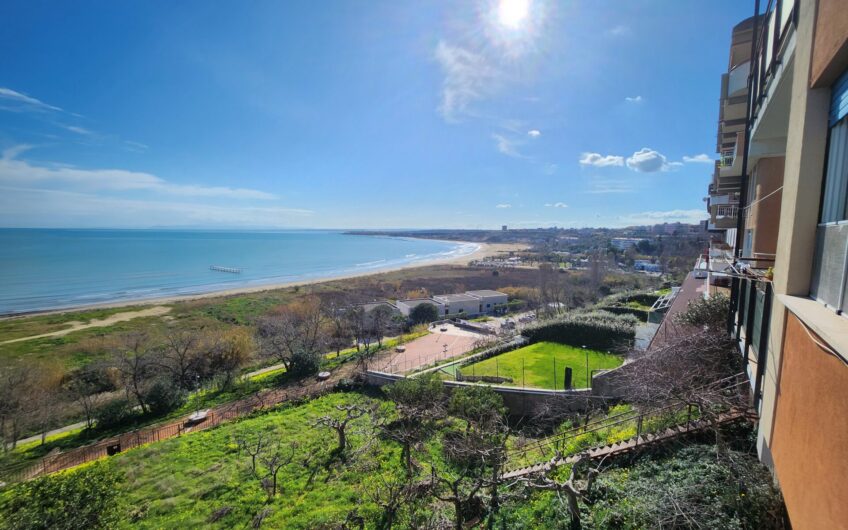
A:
(542, 365)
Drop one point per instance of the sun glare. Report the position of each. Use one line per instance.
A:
(512, 13)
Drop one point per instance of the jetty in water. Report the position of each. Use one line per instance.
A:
(219, 268)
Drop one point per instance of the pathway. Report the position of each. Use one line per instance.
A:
(155, 311)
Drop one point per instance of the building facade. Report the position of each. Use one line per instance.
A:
(790, 252)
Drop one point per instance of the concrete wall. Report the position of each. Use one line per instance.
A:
(521, 402)
(830, 52)
(810, 433)
(765, 214)
(467, 307)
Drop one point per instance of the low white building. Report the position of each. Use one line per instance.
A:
(406, 306)
(459, 305)
(488, 299)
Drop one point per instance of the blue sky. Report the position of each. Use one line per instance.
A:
(359, 114)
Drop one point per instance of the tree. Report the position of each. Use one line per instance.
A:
(420, 403)
(424, 313)
(14, 385)
(341, 334)
(480, 406)
(340, 425)
(85, 387)
(710, 313)
(182, 357)
(230, 351)
(460, 489)
(134, 362)
(381, 322)
(391, 494)
(573, 488)
(294, 336)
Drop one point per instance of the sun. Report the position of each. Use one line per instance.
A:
(512, 13)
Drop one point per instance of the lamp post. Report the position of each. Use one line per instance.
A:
(588, 375)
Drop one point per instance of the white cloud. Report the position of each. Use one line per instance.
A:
(633, 99)
(534, 133)
(13, 96)
(702, 158)
(503, 206)
(19, 172)
(467, 77)
(135, 146)
(604, 187)
(556, 205)
(79, 130)
(24, 207)
(506, 146)
(619, 31)
(598, 160)
(647, 160)
(666, 216)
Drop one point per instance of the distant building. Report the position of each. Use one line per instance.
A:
(503, 227)
(488, 299)
(467, 304)
(406, 306)
(623, 243)
(647, 266)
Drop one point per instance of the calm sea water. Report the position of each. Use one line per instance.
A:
(50, 269)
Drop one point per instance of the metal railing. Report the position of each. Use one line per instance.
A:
(748, 323)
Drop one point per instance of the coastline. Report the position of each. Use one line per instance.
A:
(483, 250)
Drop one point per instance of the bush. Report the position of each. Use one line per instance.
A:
(163, 397)
(641, 314)
(424, 313)
(598, 330)
(692, 489)
(114, 413)
(83, 498)
(706, 312)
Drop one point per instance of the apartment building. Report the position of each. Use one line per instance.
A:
(789, 252)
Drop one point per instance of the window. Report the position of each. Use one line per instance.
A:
(830, 271)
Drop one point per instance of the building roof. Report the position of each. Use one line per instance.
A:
(485, 292)
(372, 305)
(412, 302)
(456, 298)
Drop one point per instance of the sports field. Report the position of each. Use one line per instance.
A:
(542, 365)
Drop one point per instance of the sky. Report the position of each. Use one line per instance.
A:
(378, 114)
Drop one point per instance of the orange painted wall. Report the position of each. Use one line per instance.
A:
(830, 47)
(809, 440)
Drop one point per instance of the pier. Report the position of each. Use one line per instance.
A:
(219, 268)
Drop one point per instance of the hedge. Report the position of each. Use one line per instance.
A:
(641, 314)
(599, 330)
(624, 297)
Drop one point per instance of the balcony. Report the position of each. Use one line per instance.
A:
(772, 37)
(737, 80)
(748, 322)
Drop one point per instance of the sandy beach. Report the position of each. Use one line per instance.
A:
(484, 250)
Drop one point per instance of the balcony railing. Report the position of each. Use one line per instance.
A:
(748, 322)
(727, 210)
(773, 27)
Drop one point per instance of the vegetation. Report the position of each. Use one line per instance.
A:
(597, 330)
(424, 313)
(84, 498)
(706, 312)
(540, 364)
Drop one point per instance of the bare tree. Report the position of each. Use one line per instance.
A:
(294, 335)
(460, 489)
(14, 384)
(420, 403)
(574, 489)
(229, 352)
(275, 458)
(341, 334)
(134, 362)
(340, 425)
(381, 320)
(181, 357)
(391, 495)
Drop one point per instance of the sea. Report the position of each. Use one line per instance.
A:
(44, 269)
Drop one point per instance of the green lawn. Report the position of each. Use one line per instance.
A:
(534, 365)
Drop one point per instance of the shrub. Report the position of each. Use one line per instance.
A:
(114, 413)
(706, 312)
(424, 313)
(641, 314)
(598, 330)
(84, 498)
(163, 397)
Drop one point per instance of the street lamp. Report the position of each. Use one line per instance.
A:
(588, 376)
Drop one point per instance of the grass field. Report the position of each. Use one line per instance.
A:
(534, 365)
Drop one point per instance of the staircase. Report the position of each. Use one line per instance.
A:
(632, 444)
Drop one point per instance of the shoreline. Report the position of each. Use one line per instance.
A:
(483, 250)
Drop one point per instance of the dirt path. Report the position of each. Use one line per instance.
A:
(155, 311)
